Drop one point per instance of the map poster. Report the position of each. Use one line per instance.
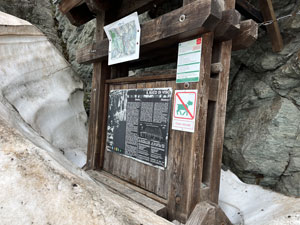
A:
(124, 39)
(189, 61)
(138, 124)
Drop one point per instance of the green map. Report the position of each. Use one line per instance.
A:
(123, 40)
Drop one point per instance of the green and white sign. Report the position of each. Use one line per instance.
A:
(189, 61)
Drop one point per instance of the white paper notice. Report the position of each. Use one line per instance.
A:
(189, 61)
(124, 39)
(184, 112)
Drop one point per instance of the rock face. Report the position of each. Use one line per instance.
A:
(74, 38)
(38, 12)
(262, 142)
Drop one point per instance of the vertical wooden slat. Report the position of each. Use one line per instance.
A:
(161, 175)
(142, 175)
(222, 54)
(268, 13)
(100, 74)
(186, 175)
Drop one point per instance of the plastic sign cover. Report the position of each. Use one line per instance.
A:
(189, 61)
(184, 110)
(138, 124)
(124, 39)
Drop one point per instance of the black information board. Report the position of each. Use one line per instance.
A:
(138, 124)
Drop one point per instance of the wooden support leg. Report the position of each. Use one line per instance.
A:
(216, 119)
(213, 161)
(207, 213)
(186, 166)
(100, 74)
(268, 13)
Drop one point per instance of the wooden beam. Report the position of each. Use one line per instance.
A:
(216, 118)
(188, 148)
(77, 18)
(208, 213)
(98, 6)
(66, 5)
(268, 13)
(204, 213)
(133, 193)
(98, 104)
(167, 75)
(165, 30)
(117, 9)
(247, 36)
(127, 7)
(229, 26)
(249, 11)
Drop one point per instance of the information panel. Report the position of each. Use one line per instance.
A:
(138, 124)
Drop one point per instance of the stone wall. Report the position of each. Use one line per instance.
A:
(262, 139)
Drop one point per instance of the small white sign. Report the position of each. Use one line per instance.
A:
(184, 110)
(189, 61)
(124, 39)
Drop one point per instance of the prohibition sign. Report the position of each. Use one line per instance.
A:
(183, 106)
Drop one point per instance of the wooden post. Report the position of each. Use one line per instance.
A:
(188, 148)
(268, 13)
(217, 114)
(100, 74)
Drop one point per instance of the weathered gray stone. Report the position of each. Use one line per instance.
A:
(38, 12)
(263, 118)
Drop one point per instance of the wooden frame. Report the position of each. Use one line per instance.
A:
(194, 159)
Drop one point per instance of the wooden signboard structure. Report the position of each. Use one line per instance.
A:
(187, 189)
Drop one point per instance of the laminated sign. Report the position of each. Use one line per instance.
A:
(124, 39)
(184, 111)
(189, 61)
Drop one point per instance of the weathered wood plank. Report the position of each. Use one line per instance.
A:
(168, 75)
(188, 148)
(216, 119)
(247, 36)
(79, 15)
(126, 7)
(99, 6)
(215, 138)
(122, 188)
(229, 26)
(165, 30)
(204, 213)
(273, 29)
(117, 9)
(150, 178)
(213, 90)
(66, 5)
(208, 213)
(100, 74)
